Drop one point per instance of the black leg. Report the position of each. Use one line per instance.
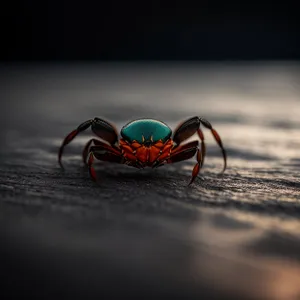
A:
(100, 127)
(71, 136)
(104, 153)
(185, 130)
(197, 167)
(185, 152)
(189, 127)
(217, 138)
(92, 171)
(203, 146)
(105, 130)
(86, 149)
(182, 155)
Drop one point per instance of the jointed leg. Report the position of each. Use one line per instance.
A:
(96, 142)
(203, 146)
(185, 152)
(217, 138)
(182, 148)
(105, 153)
(197, 166)
(188, 128)
(85, 151)
(100, 127)
(92, 171)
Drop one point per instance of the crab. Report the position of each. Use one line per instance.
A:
(144, 143)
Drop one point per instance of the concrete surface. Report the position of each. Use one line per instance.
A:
(144, 233)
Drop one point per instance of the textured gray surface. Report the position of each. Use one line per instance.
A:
(144, 232)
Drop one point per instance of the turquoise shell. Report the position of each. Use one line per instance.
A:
(147, 128)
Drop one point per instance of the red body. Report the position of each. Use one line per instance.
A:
(147, 155)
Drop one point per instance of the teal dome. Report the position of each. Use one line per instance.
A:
(147, 128)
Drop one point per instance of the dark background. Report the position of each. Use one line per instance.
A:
(119, 30)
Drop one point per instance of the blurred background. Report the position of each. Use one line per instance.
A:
(64, 30)
(145, 233)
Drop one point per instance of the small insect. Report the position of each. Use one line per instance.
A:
(144, 143)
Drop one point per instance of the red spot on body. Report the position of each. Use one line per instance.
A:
(146, 155)
(135, 145)
(166, 150)
(153, 154)
(142, 154)
(127, 148)
(164, 156)
(130, 156)
(159, 145)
